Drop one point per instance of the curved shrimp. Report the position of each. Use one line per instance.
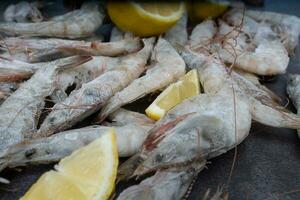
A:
(168, 185)
(125, 46)
(268, 58)
(76, 24)
(286, 26)
(20, 112)
(92, 95)
(130, 136)
(168, 67)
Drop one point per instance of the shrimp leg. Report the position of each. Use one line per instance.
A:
(167, 185)
(168, 68)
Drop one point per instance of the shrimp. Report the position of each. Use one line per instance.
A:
(293, 90)
(6, 89)
(130, 136)
(76, 24)
(178, 33)
(286, 26)
(20, 112)
(168, 185)
(92, 95)
(23, 12)
(117, 48)
(268, 58)
(169, 66)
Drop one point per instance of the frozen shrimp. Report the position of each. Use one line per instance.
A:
(268, 58)
(94, 94)
(125, 46)
(286, 26)
(168, 185)
(168, 67)
(20, 112)
(130, 136)
(80, 75)
(178, 33)
(76, 24)
(23, 12)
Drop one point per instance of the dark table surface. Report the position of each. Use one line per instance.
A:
(267, 164)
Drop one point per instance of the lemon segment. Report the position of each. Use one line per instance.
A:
(208, 9)
(88, 173)
(186, 87)
(145, 19)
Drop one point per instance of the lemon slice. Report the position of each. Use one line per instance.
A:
(186, 87)
(145, 19)
(206, 9)
(88, 173)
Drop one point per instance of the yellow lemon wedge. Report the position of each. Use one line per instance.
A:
(145, 18)
(88, 173)
(187, 86)
(206, 9)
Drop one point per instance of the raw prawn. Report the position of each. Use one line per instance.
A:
(76, 24)
(268, 57)
(286, 26)
(130, 136)
(20, 112)
(117, 48)
(168, 67)
(94, 94)
(168, 185)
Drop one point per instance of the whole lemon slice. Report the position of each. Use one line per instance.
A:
(186, 87)
(145, 19)
(88, 173)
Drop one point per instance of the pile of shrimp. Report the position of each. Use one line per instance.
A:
(58, 72)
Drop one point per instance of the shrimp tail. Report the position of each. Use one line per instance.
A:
(274, 116)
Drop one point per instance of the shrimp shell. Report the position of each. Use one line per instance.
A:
(166, 185)
(130, 136)
(76, 24)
